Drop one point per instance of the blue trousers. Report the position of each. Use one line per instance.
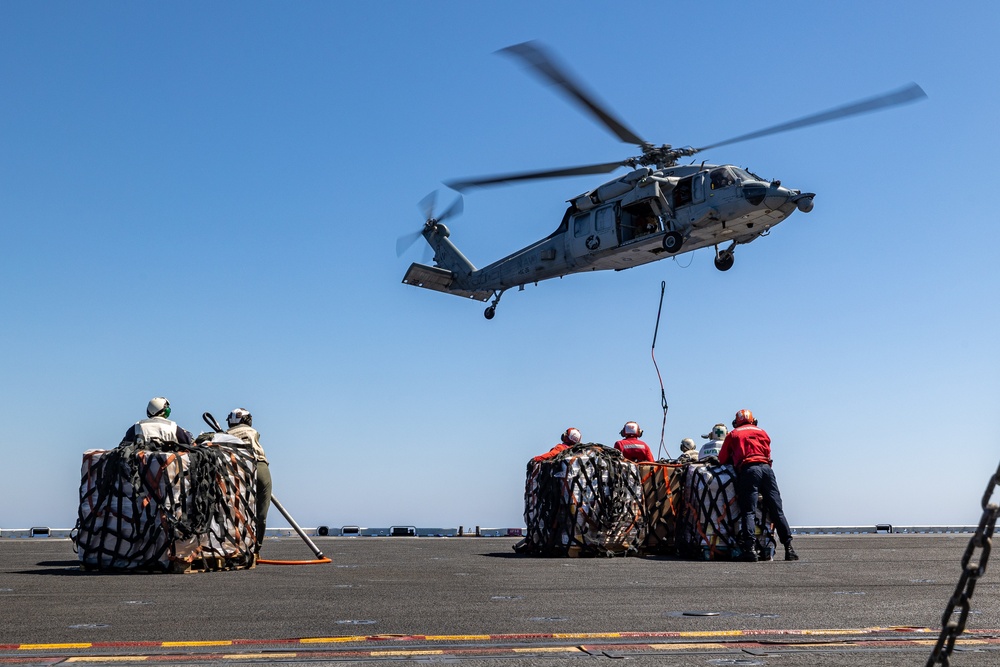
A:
(753, 481)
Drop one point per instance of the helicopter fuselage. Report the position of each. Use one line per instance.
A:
(641, 217)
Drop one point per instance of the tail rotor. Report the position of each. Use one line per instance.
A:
(431, 221)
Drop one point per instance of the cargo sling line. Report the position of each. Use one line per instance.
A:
(663, 392)
(135, 518)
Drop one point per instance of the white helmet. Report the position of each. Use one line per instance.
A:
(571, 437)
(158, 407)
(631, 430)
(239, 416)
(718, 432)
(687, 444)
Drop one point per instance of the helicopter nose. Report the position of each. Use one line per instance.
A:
(776, 195)
(805, 204)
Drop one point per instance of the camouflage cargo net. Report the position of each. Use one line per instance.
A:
(144, 509)
(587, 501)
(708, 523)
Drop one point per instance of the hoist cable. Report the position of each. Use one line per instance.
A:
(663, 393)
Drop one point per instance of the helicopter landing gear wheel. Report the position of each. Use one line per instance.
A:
(724, 260)
(491, 310)
(672, 242)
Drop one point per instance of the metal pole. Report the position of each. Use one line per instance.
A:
(211, 421)
(290, 520)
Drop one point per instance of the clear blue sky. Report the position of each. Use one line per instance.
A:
(202, 202)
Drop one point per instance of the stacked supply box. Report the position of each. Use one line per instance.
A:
(168, 508)
(586, 501)
(661, 493)
(708, 520)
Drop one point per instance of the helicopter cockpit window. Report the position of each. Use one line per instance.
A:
(581, 224)
(744, 175)
(721, 178)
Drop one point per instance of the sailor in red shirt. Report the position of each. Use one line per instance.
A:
(631, 446)
(748, 449)
(569, 438)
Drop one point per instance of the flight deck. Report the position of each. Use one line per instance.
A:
(874, 599)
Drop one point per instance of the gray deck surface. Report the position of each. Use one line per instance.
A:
(472, 600)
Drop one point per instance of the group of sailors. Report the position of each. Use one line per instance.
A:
(637, 451)
(747, 448)
(158, 426)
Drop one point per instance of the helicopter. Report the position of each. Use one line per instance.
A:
(658, 209)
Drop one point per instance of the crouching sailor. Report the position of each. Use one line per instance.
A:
(241, 425)
(157, 426)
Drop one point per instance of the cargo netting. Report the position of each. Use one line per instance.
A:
(661, 494)
(708, 520)
(587, 501)
(167, 507)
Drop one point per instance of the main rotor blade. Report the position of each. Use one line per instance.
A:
(910, 93)
(605, 168)
(533, 54)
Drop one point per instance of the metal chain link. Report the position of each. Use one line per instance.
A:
(982, 542)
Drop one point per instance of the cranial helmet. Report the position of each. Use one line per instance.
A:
(571, 437)
(631, 430)
(744, 417)
(158, 407)
(687, 444)
(718, 432)
(239, 416)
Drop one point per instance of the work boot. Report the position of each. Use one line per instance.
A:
(748, 555)
(790, 552)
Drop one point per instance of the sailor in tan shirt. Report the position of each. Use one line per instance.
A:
(240, 425)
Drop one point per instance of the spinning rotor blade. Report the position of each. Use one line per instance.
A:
(543, 64)
(605, 168)
(426, 206)
(404, 242)
(910, 93)
(456, 208)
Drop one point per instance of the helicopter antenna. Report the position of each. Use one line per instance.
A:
(663, 392)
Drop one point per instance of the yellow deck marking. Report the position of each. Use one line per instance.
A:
(401, 653)
(203, 643)
(459, 638)
(332, 640)
(109, 658)
(587, 635)
(714, 633)
(49, 647)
